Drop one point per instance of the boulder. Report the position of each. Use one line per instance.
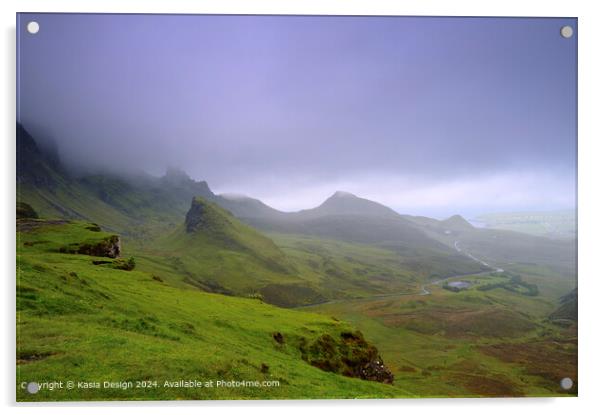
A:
(107, 247)
(350, 355)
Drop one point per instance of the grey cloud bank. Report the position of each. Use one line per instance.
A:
(423, 114)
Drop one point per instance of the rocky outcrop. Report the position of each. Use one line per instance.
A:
(195, 218)
(107, 247)
(376, 370)
(119, 263)
(350, 355)
(25, 211)
(125, 264)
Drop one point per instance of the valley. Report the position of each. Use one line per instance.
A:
(142, 278)
(491, 342)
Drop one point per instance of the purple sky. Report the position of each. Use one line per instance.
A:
(427, 115)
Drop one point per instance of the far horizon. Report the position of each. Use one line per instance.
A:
(440, 214)
(471, 217)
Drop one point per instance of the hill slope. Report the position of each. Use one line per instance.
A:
(568, 309)
(216, 252)
(80, 318)
(247, 207)
(141, 207)
(502, 247)
(136, 205)
(348, 218)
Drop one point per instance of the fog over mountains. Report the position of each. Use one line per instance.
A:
(290, 109)
(137, 204)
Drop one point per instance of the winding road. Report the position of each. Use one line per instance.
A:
(423, 289)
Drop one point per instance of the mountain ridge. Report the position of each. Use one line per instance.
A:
(142, 207)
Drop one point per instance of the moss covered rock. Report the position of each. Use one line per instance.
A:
(107, 247)
(349, 354)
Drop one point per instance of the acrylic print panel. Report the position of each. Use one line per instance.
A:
(295, 207)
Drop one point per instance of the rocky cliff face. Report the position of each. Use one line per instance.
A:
(196, 216)
(208, 218)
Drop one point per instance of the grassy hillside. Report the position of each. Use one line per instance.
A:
(566, 313)
(136, 205)
(148, 213)
(488, 340)
(171, 290)
(77, 321)
(139, 208)
(216, 252)
(350, 270)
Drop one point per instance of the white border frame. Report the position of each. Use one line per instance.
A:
(590, 206)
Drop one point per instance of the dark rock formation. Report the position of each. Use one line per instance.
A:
(25, 211)
(123, 264)
(37, 165)
(350, 355)
(119, 263)
(195, 217)
(108, 247)
(376, 370)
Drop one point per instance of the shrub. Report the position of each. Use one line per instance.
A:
(126, 265)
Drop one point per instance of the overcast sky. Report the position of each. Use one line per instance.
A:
(430, 116)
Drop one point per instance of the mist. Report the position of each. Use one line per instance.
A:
(426, 115)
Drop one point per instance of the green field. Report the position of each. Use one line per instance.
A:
(484, 343)
(93, 323)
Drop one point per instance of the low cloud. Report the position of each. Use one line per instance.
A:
(494, 192)
(429, 116)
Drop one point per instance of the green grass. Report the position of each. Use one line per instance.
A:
(469, 343)
(288, 270)
(346, 270)
(82, 322)
(224, 255)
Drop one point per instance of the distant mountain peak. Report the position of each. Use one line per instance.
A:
(174, 174)
(457, 222)
(345, 203)
(341, 193)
